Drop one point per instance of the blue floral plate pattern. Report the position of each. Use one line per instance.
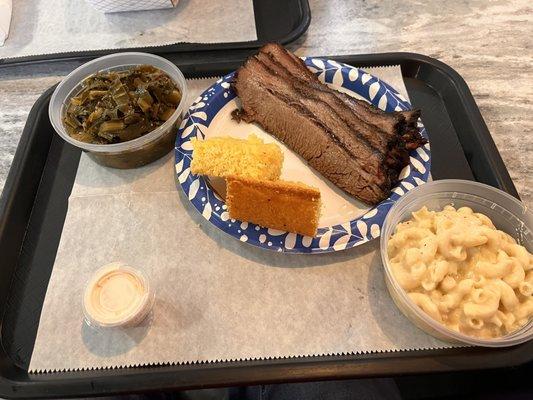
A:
(332, 238)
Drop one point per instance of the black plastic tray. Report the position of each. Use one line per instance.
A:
(34, 204)
(280, 21)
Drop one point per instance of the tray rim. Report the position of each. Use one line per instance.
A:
(263, 371)
(86, 55)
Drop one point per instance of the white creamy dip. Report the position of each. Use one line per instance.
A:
(117, 295)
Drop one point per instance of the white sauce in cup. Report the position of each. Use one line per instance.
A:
(117, 296)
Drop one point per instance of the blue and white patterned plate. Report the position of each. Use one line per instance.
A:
(345, 222)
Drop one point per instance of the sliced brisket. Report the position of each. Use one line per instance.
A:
(356, 146)
(388, 122)
(371, 135)
(392, 123)
(294, 125)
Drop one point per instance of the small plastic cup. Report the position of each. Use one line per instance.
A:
(507, 214)
(112, 284)
(133, 153)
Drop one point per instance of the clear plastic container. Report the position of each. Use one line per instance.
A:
(507, 213)
(133, 153)
(94, 292)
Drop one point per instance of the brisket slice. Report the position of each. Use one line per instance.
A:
(289, 61)
(390, 123)
(385, 131)
(369, 158)
(316, 91)
(320, 92)
(357, 146)
(300, 130)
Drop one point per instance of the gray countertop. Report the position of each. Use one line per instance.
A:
(488, 42)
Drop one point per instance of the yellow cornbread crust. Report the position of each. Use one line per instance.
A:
(283, 205)
(228, 156)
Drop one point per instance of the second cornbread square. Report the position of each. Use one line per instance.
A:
(282, 205)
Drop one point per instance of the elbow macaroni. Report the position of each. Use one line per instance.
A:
(463, 272)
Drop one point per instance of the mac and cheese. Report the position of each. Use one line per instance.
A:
(463, 272)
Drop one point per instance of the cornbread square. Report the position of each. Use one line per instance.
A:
(228, 156)
(287, 206)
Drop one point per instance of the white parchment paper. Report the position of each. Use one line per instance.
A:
(217, 298)
(54, 26)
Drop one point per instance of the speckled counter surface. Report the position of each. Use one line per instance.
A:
(488, 42)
